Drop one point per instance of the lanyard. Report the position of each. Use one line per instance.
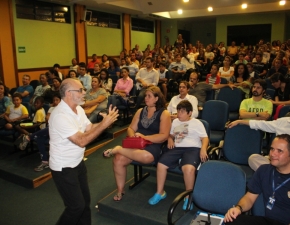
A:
(273, 185)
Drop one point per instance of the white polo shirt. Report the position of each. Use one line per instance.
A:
(63, 123)
(149, 77)
(172, 107)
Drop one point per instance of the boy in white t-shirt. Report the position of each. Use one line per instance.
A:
(187, 141)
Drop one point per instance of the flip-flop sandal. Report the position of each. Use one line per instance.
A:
(118, 197)
(108, 153)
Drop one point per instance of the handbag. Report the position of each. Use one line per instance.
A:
(135, 142)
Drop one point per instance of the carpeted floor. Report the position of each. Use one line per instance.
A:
(43, 205)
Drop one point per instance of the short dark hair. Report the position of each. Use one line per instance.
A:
(125, 68)
(83, 65)
(39, 98)
(150, 58)
(285, 137)
(277, 77)
(56, 95)
(57, 78)
(260, 54)
(17, 95)
(162, 64)
(185, 83)
(262, 82)
(185, 104)
(56, 65)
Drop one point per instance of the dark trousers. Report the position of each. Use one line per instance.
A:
(41, 138)
(257, 220)
(140, 98)
(72, 184)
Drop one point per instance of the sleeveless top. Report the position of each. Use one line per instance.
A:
(149, 126)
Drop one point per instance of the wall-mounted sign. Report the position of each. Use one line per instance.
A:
(21, 49)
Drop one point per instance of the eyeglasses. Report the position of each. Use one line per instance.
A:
(80, 90)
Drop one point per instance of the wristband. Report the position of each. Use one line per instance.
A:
(240, 207)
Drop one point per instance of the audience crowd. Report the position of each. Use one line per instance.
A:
(176, 70)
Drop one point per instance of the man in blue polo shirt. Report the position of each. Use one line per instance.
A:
(25, 90)
(273, 182)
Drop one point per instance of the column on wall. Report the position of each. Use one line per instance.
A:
(80, 33)
(7, 45)
(158, 32)
(126, 31)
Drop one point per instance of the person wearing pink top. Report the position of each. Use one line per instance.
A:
(122, 89)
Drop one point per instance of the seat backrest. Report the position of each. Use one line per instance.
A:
(269, 84)
(114, 78)
(34, 83)
(206, 126)
(271, 93)
(133, 90)
(29, 109)
(284, 110)
(12, 91)
(258, 208)
(46, 107)
(224, 80)
(232, 97)
(219, 185)
(210, 95)
(240, 142)
(216, 113)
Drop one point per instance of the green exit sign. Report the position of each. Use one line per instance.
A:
(21, 49)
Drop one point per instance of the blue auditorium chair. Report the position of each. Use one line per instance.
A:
(216, 113)
(219, 185)
(233, 98)
(240, 142)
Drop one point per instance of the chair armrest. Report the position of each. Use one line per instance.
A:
(214, 153)
(174, 204)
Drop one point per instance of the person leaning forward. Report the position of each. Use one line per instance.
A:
(70, 131)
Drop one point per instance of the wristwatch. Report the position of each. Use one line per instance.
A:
(257, 114)
(240, 208)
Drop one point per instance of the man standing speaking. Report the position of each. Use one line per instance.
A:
(70, 131)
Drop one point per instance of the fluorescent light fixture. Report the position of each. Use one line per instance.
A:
(209, 9)
(244, 6)
(179, 11)
(163, 14)
(185, 0)
(282, 2)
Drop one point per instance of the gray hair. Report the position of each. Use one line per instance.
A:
(63, 88)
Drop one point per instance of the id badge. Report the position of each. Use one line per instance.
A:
(270, 203)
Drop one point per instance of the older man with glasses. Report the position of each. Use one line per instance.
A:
(70, 131)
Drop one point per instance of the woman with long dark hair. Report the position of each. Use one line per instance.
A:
(105, 61)
(106, 81)
(114, 68)
(151, 123)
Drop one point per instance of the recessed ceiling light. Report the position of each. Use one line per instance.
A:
(282, 2)
(244, 6)
(185, 0)
(179, 11)
(209, 9)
